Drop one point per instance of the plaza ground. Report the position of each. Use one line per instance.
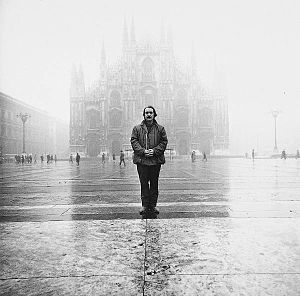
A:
(226, 227)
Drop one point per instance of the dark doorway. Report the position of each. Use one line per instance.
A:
(93, 148)
(183, 147)
(116, 147)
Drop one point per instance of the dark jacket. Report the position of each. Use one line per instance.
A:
(155, 138)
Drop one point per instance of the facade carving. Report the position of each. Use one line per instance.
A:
(103, 115)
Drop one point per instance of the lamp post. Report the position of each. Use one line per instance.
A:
(275, 114)
(24, 117)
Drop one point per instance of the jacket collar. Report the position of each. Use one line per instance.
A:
(144, 126)
(144, 122)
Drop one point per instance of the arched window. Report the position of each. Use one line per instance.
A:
(115, 99)
(205, 117)
(94, 119)
(148, 70)
(181, 96)
(115, 118)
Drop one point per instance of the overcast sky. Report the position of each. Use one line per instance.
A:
(255, 43)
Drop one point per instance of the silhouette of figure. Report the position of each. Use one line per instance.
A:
(122, 158)
(204, 156)
(77, 158)
(253, 154)
(193, 156)
(283, 154)
(149, 142)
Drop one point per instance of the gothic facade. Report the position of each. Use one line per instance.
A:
(103, 115)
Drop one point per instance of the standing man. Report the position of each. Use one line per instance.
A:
(149, 142)
(77, 158)
(253, 154)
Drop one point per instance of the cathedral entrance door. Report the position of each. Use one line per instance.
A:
(116, 147)
(183, 147)
(93, 148)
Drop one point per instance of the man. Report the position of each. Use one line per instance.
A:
(149, 142)
(122, 157)
(77, 158)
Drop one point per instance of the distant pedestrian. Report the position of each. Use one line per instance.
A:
(122, 158)
(114, 157)
(193, 156)
(22, 159)
(77, 158)
(71, 158)
(103, 157)
(55, 158)
(253, 154)
(42, 158)
(204, 157)
(283, 154)
(34, 158)
(297, 154)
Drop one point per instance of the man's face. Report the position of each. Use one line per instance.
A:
(149, 114)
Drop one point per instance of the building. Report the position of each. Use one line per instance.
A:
(43, 134)
(103, 115)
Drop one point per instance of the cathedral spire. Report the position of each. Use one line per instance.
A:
(103, 56)
(193, 63)
(162, 33)
(170, 37)
(125, 35)
(81, 84)
(74, 80)
(219, 79)
(103, 65)
(132, 33)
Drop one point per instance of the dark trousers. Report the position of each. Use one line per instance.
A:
(148, 175)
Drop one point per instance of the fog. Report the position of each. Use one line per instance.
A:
(254, 43)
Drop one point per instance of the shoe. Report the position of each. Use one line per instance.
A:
(154, 210)
(144, 210)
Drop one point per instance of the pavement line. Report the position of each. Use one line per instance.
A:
(145, 256)
(171, 274)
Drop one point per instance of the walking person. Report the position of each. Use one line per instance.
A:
(193, 155)
(149, 142)
(77, 158)
(253, 154)
(103, 157)
(204, 157)
(122, 157)
(283, 154)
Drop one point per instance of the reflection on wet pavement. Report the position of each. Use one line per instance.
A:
(225, 227)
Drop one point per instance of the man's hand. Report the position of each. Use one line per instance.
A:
(149, 152)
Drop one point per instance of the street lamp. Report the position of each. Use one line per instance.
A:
(275, 114)
(24, 117)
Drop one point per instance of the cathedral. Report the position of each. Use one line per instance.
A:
(103, 115)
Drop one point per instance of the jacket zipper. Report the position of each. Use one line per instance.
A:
(146, 141)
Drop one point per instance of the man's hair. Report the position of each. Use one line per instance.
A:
(155, 114)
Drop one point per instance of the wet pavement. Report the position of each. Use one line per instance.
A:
(226, 227)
